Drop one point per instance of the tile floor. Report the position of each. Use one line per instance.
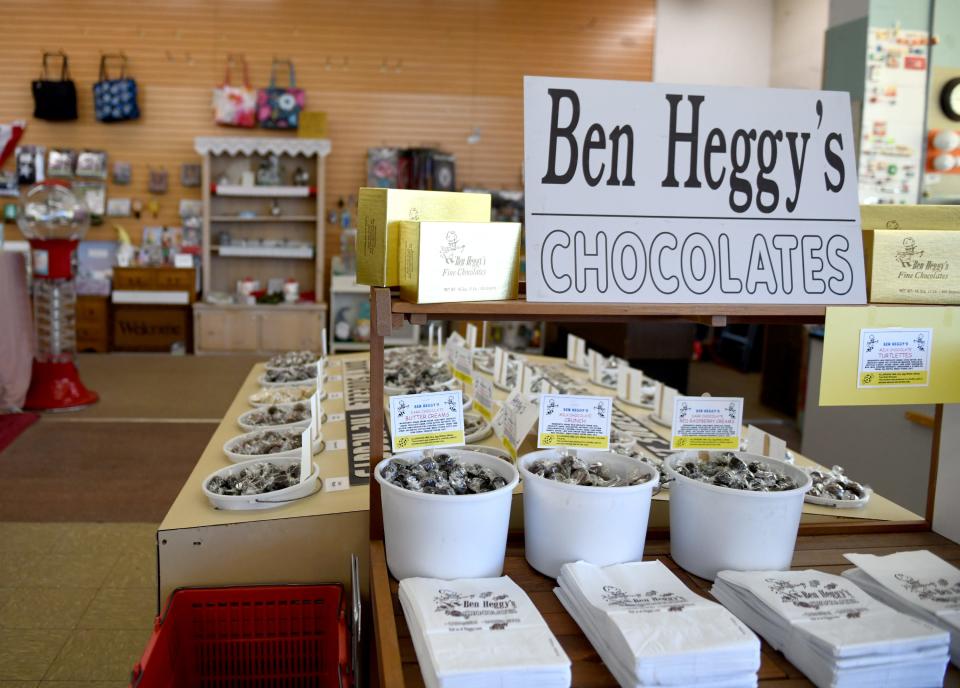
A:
(77, 602)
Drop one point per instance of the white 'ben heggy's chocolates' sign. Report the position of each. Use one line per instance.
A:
(640, 192)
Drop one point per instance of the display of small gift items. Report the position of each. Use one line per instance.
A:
(235, 106)
(61, 163)
(278, 107)
(54, 100)
(91, 164)
(125, 249)
(190, 175)
(94, 196)
(31, 164)
(115, 100)
(270, 171)
(122, 173)
(158, 181)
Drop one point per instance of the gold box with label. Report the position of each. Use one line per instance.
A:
(379, 212)
(459, 261)
(908, 266)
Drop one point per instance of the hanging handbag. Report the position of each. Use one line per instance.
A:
(279, 107)
(55, 100)
(235, 106)
(115, 100)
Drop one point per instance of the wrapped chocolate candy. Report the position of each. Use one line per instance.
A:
(576, 471)
(304, 373)
(291, 359)
(282, 414)
(442, 474)
(726, 469)
(255, 478)
(835, 485)
(268, 442)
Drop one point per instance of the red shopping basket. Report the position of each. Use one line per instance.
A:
(277, 636)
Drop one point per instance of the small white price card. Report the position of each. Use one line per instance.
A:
(765, 444)
(483, 396)
(576, 351)
(514, 421)
(501, 369)
(471, 335)
(453, 341)
(434, 419)
(461, 359)
(894, 357)
(663, 399)
(596, 362)
(306, 453)
(336, 484)
(316, 415)
(706, 423)
(630, 385)
(577, 422)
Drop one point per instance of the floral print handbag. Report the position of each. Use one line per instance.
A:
(115, 100)
(279, 107)
(235, 106)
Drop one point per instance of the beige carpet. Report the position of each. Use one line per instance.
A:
(161, 385)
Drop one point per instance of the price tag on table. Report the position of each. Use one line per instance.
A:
(706, 423)
(575, 422)
(765, 444)
(663, 399)
(483, 396)
(894, 357)
(501, 368)
(306, 453)
(453, 341)
(630, 385)
(514, 421)
(316, 414)
(576, 351)
(471, 336)
(434, 419)
(461, 359)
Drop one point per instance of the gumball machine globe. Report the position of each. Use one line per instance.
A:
(54, 220)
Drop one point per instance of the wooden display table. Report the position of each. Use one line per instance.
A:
(396, 662)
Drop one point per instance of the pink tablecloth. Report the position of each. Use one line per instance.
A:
(16, 331)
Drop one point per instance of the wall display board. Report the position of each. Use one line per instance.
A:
(639, 192)
(891, 355)
(892, 129)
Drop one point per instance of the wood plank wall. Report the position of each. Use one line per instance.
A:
(387, 72)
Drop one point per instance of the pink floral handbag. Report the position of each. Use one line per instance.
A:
(235, 106)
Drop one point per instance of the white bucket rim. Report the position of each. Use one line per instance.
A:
(493, 462)
(261, 498)
(650, 484)
(805, 486)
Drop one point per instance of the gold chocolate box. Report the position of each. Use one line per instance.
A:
(459, 261)
(379, 212)
(907, 266)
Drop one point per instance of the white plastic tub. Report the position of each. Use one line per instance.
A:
(447, 536)
(715, 528)
(267, 500)
(229, 447)
(601, 525)
(245, 424)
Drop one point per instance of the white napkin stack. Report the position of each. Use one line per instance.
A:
(651, 630)
(477, 632)
(833, 631)
(917, 583)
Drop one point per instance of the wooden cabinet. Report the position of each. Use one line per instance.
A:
(257, 329)
(93, 328)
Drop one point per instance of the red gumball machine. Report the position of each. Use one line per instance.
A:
(54, 221)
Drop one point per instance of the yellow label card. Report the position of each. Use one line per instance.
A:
(706, 423)
(577, 422)
(434, 419)
(872, 355)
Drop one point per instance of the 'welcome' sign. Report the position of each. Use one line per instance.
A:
(640, 192)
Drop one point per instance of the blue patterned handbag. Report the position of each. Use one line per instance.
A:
(115, 100)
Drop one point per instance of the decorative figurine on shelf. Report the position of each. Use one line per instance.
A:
(301, 177)
(346, 219)
(362, 332)
(275, 208)
(341, 328)
(291, 291)
(270, 171)
(136, 205)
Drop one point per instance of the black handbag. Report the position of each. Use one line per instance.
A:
(55, 100)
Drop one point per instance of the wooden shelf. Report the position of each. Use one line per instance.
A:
(294, 253)
(397, 663)
(238, 191)
(264, 218)
(521, 309)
